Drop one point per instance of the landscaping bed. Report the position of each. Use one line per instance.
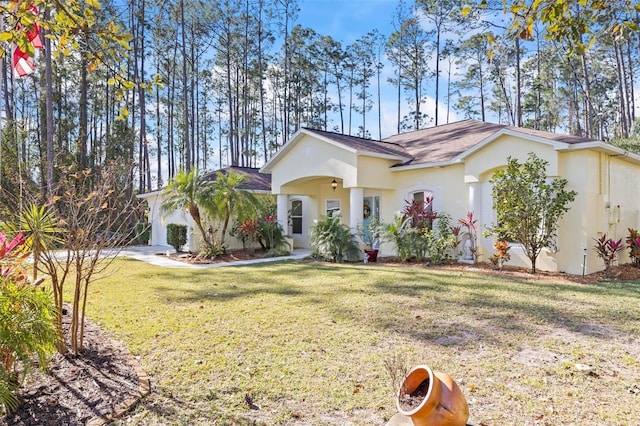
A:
(229, 256)
(78, 390)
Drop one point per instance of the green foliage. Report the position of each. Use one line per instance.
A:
(225, 198)
(271, 236)
(211, 252)
(406, 238)
(331, 239)
(27, 330)
(41, 230)
(188, 191)
(528, 204)
(439, 243)
(570, 22)
(413, 237)
(143, 232)
(176, 235)
(372, 233)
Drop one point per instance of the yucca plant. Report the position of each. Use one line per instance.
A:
(331, 239)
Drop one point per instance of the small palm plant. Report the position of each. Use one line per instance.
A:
(331, 239)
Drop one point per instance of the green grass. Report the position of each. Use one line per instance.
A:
(311, 342)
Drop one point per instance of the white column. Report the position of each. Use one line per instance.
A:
(356, 198)
(475, 199)
(283, 211)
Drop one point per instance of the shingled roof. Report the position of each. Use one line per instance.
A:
(255, 181)
(445, 142)
(364, 145)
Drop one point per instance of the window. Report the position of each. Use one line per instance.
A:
(422, 209)
(332, 208)
(296, 216)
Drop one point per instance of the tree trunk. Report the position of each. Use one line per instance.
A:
(49, 109)
(185, 89)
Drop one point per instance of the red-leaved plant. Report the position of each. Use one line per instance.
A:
(633, 242)
(420, 213)
(608, 249)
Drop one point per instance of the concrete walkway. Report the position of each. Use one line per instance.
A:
(149, 254)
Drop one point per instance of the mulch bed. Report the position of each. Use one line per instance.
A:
(229, 256)
(80, 389)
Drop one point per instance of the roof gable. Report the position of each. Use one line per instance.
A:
(353, 144)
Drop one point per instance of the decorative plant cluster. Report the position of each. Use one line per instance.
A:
(468, 223)
(271, 236)
(501, 255)
(633, 243)
(332, 240)
(415, 240)
(608, 249)
(27, 313)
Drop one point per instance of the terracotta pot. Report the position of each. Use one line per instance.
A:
(372, 253)
(443, 403)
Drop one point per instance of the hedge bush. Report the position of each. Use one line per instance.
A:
(176, 235)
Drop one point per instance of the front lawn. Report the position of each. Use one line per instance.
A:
(301, 343)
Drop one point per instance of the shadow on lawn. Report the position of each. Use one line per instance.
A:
(510, 305)
(480, 305)
(222, 284)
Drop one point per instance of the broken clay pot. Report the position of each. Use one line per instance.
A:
(443, 403)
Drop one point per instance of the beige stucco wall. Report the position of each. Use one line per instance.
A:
(450, 192)
(309, 159)
(494, 155)
(607, 200)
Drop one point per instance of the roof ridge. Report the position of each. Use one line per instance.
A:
(342, 134)
(440, 126)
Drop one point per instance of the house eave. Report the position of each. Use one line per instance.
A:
(150, 194)
(392, 157)
(437, 164)
(606, 148)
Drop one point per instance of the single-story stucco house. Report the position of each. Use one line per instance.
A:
(453, 163)
(256, 182)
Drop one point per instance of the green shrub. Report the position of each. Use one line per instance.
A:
(143, 232)
(27, 330)
(176, 235)
(421, 243)
(330, 239)
(212, 251)
(271, 236)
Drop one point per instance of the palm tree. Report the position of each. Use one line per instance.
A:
(187, 191)
(227, 198)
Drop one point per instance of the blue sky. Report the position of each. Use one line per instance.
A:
(348, 20)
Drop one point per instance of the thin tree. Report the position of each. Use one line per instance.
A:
(529, 204)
